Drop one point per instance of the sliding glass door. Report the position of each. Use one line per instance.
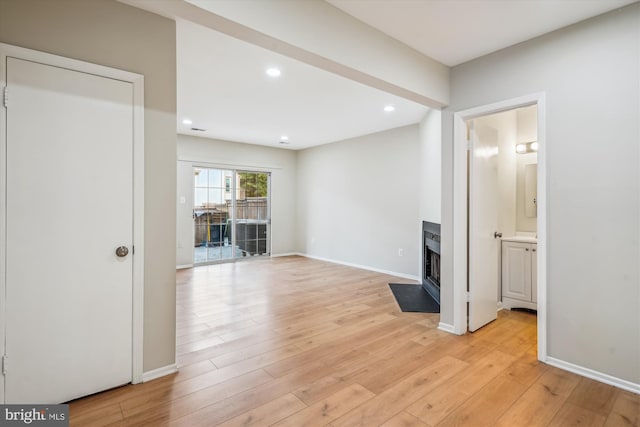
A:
(231, 214)
(212, 214)
(252, 213)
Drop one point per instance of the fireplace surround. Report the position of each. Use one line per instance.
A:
(431, 259)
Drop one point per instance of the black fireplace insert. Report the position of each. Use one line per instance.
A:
(431, 259)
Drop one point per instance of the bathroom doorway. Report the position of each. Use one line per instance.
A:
(480, 195)
(502, 197)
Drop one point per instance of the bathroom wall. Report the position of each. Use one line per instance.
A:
(527, 131)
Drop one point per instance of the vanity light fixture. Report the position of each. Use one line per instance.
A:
(527, 147)
(273, 72)
(389, 108)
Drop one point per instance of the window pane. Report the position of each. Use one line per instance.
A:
(200, 198)
(215, 178)
(201, 177)
(216, 197)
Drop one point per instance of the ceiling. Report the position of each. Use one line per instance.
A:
(224, 90)
(456, 31)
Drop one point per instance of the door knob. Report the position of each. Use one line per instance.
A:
(122, 251)
(497, 235)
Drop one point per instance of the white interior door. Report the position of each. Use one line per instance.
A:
(483, 222)
(68, 207)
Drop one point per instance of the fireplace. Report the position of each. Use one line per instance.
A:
(431, 259)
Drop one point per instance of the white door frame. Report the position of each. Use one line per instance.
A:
(460, 262)
(137, 81)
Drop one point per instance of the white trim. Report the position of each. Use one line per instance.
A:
(138, 228)
(542, 227)
(459, 232)
(363, 267)
(286, 254)
(3, 211)
(159, 372)
(594, 375)
(183, 266)
(460, 211)
(227, 164)
(447, 328)
(137, 81)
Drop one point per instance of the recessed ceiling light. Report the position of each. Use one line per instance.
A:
(187, 122)
(389, 108)
(284, 138)
(273, 72)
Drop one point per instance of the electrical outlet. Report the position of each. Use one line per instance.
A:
(400, 252)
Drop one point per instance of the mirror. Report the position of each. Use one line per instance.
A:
(531, 190)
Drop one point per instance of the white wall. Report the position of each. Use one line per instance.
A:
(527, 132)
(358, 201)
(523, 222)
(527, 118)
(430, 166)
(280, 162)
(430, 174)
(590, 75)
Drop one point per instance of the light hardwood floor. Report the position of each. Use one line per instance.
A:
(297, 342)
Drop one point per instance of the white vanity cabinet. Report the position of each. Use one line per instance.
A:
(519, 273)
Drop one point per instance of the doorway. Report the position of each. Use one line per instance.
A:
(466, 246)
(502, 203)
(231, 214)
(72, 143)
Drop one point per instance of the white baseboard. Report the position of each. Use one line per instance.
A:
(363, 267)
(447, 328)
(181, 267)
(285, 254)
(594, 375)
(160, 372)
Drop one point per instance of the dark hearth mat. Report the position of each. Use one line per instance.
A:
(414, 298)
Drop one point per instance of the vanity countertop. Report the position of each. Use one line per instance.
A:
(522, 239)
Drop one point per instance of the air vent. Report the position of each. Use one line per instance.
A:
(199, 129)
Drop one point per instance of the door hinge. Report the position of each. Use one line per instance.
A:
(5, 97)
(133, 250)
(4, 364)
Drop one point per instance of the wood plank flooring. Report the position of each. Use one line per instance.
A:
(298, 342)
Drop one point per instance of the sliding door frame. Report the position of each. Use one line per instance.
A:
(235, 170)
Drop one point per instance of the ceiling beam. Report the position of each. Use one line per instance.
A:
(416, 78)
